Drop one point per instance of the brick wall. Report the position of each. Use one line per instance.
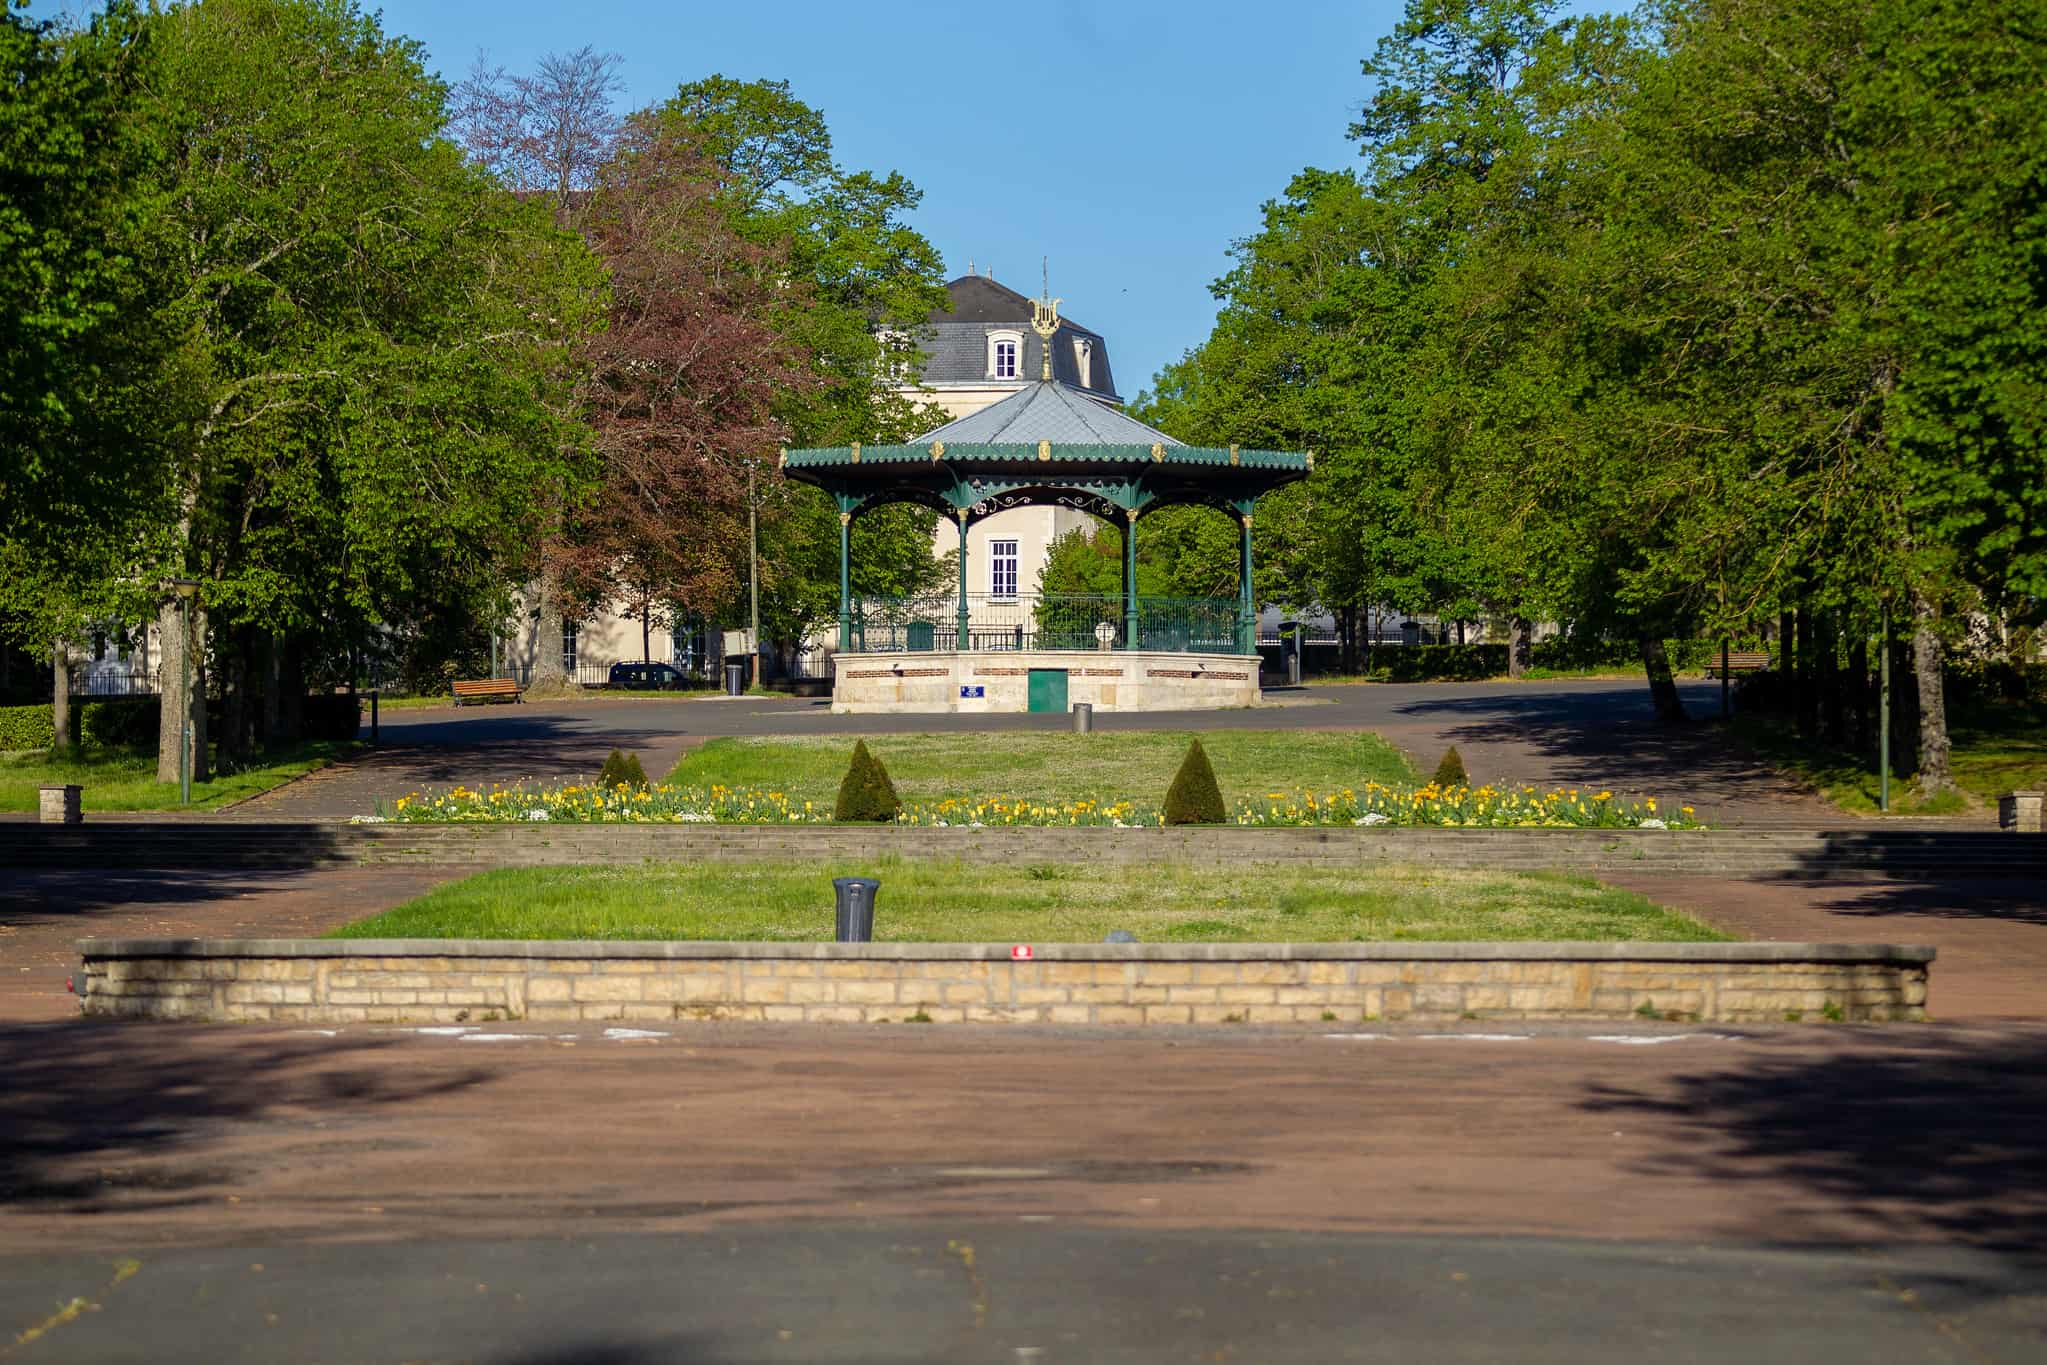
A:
(459, 981)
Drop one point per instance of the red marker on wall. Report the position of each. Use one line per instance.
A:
(1021, 952)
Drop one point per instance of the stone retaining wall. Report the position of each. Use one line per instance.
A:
(999, 680)
(461, 981)
(217, 842)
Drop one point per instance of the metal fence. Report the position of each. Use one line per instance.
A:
(113, 685)
(1043, 621)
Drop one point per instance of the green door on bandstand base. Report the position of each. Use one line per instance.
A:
(1047, 689)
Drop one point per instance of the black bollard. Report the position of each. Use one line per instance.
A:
(855, 908)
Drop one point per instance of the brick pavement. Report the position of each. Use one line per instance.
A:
(1991, 932)
(43, 914)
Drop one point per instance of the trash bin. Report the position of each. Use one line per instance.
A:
(1083, 717)
(919, 636)
(735, 680)
(855, 908)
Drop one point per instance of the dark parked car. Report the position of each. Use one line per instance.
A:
(647, 677)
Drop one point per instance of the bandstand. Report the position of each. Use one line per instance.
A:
(1047, 444)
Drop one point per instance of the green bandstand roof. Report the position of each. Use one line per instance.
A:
(1047, 444)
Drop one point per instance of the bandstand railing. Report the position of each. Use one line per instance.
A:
(1045, 621)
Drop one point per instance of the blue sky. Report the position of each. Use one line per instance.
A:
(1127, 140)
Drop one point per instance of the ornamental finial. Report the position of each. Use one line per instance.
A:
(1045, 321)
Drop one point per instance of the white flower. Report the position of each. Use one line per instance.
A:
(692, 817)
(538, 813)
(366, 819)
(1373, 818)
(1652, 823)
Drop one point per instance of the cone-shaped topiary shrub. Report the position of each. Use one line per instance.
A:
(1450, 772)
(866, 793)
(622, 767)
(1194, 798)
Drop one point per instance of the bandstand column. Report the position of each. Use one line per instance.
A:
(1247, 612)
(962, 515)
(845, 579)
(1130, 581)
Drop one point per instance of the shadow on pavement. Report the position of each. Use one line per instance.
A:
(1624, 747)
(96, 1115)
(2014, 899)
(1942, 1136)
(46, 896)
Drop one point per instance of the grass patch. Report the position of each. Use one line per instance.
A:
(1999, 747)
(942, 901)
(1052, 767)
(123, 779)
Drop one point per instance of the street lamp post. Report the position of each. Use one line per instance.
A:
(186, 589)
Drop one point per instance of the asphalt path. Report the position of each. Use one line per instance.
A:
(715, 1193)
(1600, 733)
(1007, 1292)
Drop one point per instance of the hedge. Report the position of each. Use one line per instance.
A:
(26, 727)
(1440, 663)
(131, 722)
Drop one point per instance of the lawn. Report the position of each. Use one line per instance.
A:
(943, 901)
(1998, 747)
(126, 780)
(1059, 767)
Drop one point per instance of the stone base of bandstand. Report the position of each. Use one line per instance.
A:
(999, 680)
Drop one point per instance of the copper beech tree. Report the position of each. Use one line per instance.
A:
(679, 386)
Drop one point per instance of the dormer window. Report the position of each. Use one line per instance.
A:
(1084, 361)
(1005, 354)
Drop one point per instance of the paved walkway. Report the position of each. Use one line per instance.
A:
(1565, 733)
(44, 912)
(1820, 1193)
(1991, 932)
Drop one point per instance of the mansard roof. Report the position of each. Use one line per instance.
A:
(955, 343)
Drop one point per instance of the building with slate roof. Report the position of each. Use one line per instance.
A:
(979, 353)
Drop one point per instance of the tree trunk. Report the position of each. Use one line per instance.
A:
(60, 698)
(235, 718)
(1829, 661)
(549, 678)
(272, 723)
(291, 693)
(172, 648)
(1904, 710)
(1520, 645)
(646, 632)
(1808, 695)
(1858, 691)
(1934, 775)
(1662, 687)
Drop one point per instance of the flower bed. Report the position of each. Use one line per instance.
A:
(1373, 804)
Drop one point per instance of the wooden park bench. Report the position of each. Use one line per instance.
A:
(1738, 663)
(485, 689)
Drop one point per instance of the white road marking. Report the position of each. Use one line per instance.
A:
(501, 1037)
(624, 1033)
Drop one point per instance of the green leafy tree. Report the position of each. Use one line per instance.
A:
(82, 340)
(871, 282)
(375, 399)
